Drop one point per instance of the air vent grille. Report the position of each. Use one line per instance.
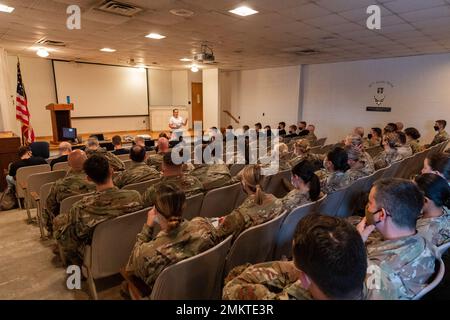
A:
(53, 43)
(120, 8)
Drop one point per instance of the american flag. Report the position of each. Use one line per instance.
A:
(22, 113)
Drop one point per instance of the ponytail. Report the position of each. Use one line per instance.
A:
(173, 223)
(314, 187)
(259, 195)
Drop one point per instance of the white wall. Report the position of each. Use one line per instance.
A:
(211, 98)
(160, 87)
(37, 77)
(273, 92)
(335, 95)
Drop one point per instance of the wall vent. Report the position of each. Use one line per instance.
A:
(120, 8)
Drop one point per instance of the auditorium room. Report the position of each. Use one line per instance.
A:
(224, 150)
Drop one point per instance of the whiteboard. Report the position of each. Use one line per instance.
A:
(101, 90)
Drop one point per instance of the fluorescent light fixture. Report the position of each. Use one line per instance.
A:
(108, 50)
(194, 68)
(5, 8)
(156, 36)
(243, 11)
(42, 53)
(185, 59)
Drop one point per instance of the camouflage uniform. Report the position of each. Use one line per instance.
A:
(155, 160)
(266, 281)
(74, 230)
(138, 172)
(355, 174)
(312, 138)
(435, 230)
(384, 159)
(113, 160)
(405, 151)
(212, 175)
(74, 183)
(441, 136)
(285, 161)
(250, 214)
(369, 165)
(399, 269)
(415, 146)
(189, 184)
(334, 181)
(294, 199)
(311, 157)
(151, 255)
(371, 143)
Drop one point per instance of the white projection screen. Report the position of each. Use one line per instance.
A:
(101, 90)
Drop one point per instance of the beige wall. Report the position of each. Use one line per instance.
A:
(211, 98)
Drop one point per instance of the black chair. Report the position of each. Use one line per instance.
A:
(40, 149)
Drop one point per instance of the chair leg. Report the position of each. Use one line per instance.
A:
(91, 284)
(27, 207)
(39, 218)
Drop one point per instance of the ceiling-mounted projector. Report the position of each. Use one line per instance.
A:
(206, 56)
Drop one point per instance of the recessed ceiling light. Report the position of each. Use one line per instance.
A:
(194, 68)
(243, 11)
(42, 53)
(108, 50)
(182, 12)
(5, 8)
(156, 36)
(185, 59)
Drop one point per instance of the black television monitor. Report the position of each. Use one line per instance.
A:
(69, 133)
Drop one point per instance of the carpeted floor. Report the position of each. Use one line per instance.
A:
(30, 270)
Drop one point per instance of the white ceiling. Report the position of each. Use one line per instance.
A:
(336, 28)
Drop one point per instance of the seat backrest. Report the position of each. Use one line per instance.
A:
(330, 205)
(321, 142)
(437, 278)
(392, 170)
(61, 166)
(113, 241)
(353, 199)
(236, 168)
(40, 149)
(255, 244)
(36, 180)
(141, 187)
(195, 278)
(443, 249)
(220, 202)
(67, 203)
(124, 157)
(275, 184)
(443, 145)
(193, 206)
(23, 174)
(43, 194)
(283, 244)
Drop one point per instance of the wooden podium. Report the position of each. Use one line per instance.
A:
(8, 153)
(60, 119)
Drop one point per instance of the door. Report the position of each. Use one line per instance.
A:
(197, 102)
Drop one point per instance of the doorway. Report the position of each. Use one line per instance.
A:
(197, 102)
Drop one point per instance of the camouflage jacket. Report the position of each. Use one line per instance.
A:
(385, 158)
(212, 175)
(415, 146)
(405, 151)
(189, 184)
(435, 230)
(369, 165)
(113, 160)
(294, 199)
(74, 183)
(439, 137)
(285, 161)
(249, 214)
(138, 172)
(312, 138)
(266, 281)
(311, 157)
(355, 174)
(155, 160)
(369, 143)
(399, 269)
(335, 181)
(74, 230)
(151, 255)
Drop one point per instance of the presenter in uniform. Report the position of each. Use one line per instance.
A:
(176, 123)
